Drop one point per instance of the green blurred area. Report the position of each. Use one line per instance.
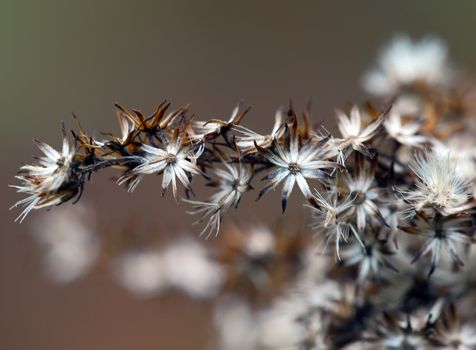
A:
(59, 57)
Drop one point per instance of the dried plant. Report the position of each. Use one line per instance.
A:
(391, 199)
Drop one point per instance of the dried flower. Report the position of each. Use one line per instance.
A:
(394, 221)
(175, 161)
(361, 187)
(333, 215)
(295, 164)
(233, 183)
(404, 63)
(446, 233)
(246, 138)
(47, 183)
(200, 131)
(437, 185)
(373, 260)
(354, 135)
(405, 133)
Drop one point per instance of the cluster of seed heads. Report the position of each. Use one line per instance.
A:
(392, 192)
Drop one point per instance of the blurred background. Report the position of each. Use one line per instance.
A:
(59, 57)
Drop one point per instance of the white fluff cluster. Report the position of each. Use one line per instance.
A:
(70, 242)
(405, 62)
(184, 265)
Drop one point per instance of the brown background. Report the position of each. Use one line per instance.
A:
(59, 57)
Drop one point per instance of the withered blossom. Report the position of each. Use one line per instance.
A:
(246, 138)
(461, 148)
(295, 163)
(401, 227)
(362, 188)
(333, 216)
(438, 185)
(202, 130)
(408, 133)
(233, 183)
(374, 261)
(354, 135)
(175, 161)
(405, 64)
(127, 126)
(442, 234)
(152, 125)
(50, 182)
